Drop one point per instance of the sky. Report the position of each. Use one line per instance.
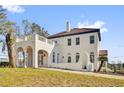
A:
(53, 18)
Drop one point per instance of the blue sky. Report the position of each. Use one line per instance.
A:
(53, 19)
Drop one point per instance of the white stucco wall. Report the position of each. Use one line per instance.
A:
(84, 49)
(64, 50)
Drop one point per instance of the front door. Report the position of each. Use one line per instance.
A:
(40, 60)
(29, 59)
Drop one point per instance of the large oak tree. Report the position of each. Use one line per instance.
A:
(7, 30)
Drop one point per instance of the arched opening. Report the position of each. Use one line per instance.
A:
(20, 57)
(42, 58)
(77, 57)
(29, 57)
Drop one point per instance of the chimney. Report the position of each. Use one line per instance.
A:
(67, 26)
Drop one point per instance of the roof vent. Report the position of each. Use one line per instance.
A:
(67, 26)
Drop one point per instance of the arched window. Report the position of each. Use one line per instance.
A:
(53, 57)
(69, 59)
(77, 57)
(57, 57)
(92, 57)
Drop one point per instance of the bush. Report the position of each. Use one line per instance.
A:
(4, 64)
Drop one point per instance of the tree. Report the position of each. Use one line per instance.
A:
(27, 27)
(31, 28)
(119, 65)
(7, 30)
(39, 30)
(36, 28)
(123, 65)
(17, 31)
(111, 65)
(102, 59)
(114, 67)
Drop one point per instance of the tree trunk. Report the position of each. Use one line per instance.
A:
(100, 66)
(10, 48)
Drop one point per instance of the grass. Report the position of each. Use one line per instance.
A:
(122, 70)
(43, 78)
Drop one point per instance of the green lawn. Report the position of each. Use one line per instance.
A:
(37, 77)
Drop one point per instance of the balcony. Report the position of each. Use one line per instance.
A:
(43, 39)
(34, 37)
(24, 38)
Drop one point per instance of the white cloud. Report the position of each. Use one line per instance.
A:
(14, 8)
(97, 24)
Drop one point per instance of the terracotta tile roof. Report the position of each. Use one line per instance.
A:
(103, 52)
(76, 31)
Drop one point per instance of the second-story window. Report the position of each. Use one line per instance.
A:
(92, 41)
(77, 41)
(69, 42)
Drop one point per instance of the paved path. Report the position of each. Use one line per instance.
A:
(86, 73)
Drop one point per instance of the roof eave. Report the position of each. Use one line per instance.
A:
(98, 30)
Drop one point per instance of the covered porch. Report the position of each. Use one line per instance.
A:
(33, 51)
(27, 57)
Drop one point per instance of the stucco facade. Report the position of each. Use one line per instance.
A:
(84, 50)
(55, 52)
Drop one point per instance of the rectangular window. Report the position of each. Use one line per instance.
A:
(53, 57)
(78, 41)
(69, 42)
(91, 39)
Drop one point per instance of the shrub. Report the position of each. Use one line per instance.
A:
(4, 64)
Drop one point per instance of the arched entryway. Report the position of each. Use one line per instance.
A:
(42, 58)
(29, 56)
(20, 57)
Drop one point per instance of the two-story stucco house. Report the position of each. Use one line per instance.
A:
(76, 49)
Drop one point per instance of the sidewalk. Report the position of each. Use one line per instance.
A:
(85, 73)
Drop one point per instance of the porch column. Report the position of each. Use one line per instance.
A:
(35, 51)
(25, 58)
(35, 59)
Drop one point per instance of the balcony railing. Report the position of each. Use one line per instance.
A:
(42, 38)
(29, 37)
(50, 42)
(32, 37)
(24, 38)
(45, 40)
